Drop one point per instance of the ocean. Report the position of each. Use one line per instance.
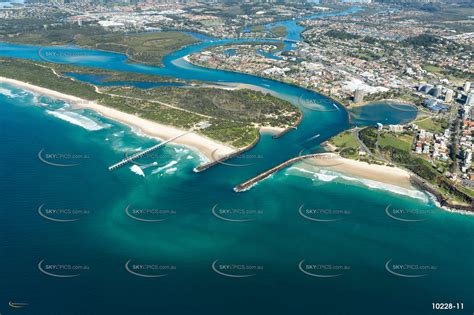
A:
(157, 238)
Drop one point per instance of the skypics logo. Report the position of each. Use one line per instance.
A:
(409, 270)
(323, 159)
(154, 158)
(63, 55)
(148, 214)
(62, 159)
(403, 107)
(232, 270)
(323, 270)
(17, 304)
(62, 270)
(408, 215)
(149, 270)
(235, 214)
(322, 215)
(248, 159)
(62, 214)
(309, 100)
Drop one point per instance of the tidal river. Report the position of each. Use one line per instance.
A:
(160, 238)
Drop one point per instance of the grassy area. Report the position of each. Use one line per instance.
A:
(432, 125)
(432, 68)
(246, 106)
(113, 75)
(257, 28)
(38, 35)
(386, 142)
(451, 73)
(346, 143)
(469, 192)
(31, 71)
(143, 48)
(28, 71)
(251, 107)
(146, 48)
(454, 17)
(397, 148)
(345, 139)
(402, 94)
(401, 142)
(279, 31)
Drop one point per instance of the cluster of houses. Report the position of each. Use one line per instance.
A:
(434, 145)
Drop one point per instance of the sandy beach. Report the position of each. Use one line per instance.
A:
(271, 130)
(379, 173)
(204, 145)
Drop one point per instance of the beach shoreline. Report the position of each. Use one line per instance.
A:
(271, 130)
(384, 174)
(202, 144)
(358, 169)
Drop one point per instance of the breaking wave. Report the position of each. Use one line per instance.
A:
(171, 170)
(77, 119)
(137, 170)
(331, 176)
(159, 169)
(7, 92)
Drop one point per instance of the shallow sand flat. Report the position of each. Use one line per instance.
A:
(208, 147)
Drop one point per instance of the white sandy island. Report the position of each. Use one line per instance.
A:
(211, 149)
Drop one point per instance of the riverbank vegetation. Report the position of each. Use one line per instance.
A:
(115, 76)
(236, 105)
(148, 48)
(279, 31)
(231, 117)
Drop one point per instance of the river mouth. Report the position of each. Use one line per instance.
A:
(293, 242)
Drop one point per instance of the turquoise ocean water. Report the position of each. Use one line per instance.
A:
(159, 238)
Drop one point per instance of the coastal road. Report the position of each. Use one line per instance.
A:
(356, 131)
